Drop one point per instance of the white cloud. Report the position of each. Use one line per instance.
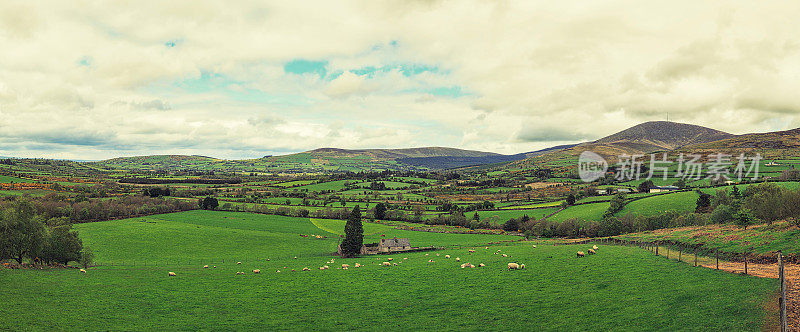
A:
(95, 80)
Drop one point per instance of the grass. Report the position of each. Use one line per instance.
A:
(9, 179)
(759, 239)
(587, 212)
(504, 215)
(621, 288)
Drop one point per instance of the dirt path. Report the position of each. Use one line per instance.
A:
(771, 271)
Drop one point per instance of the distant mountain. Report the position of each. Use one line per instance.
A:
(663, 135)
(643, 138)
(449, 162)
(776, 144)
(396, 153)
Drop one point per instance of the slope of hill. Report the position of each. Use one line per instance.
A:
(644, 138)
(777, 144)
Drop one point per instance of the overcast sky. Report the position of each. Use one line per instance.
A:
(239, 79)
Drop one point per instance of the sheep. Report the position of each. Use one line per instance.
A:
(595, 247)
(295, 257)
(426, 254)
(405, 258)
(487, 248)
(205, 266)
(447, 256)
(581, 254)
(171, 274)
(437, 254)
(430, 261)
(277, 271)
(591, 252)
(481, 265)
(458, 259)
(321, 267)
(470, 250)
(358, 265)
(215, 266)
(83, 271)
(534, 246)
(326, 267)
(504, 255)
(522, 266)
(238, 263)
(390, 259)
(467, 265)
(344, 266)
(305, 269)
(257, 271)
(513, 266)
(387, 264)
(395, 264)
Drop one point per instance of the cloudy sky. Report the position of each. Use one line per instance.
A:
(241, 79)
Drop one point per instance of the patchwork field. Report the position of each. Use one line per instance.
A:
(620, 288)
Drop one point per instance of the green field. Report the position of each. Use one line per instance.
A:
(587, 212)
(10, 179)
(620, 288)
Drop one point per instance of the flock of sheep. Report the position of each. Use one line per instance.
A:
(390, 262)
(591, 251)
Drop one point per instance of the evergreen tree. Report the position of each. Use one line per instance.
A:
(353, 234)
(743, 218)
(380, 211)
(476, 217)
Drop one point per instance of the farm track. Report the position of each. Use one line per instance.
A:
(792, 273)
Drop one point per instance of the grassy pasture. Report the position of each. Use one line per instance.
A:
(587, 212)
(621, 288)
(9, 179)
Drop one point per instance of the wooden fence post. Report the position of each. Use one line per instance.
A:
(782, 300)
(745, 264)
(716, 255)
(679, 254)
(667, 251)
(658, 243)
(695, 257)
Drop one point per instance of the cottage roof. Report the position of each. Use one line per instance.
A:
(395, 242)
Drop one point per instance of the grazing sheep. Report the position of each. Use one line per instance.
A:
(238, 263)
(321, 267)
(405, 258)
(295, 257)
(513, 266)
(395, 264)
(504, 255)
(534, 246)
(437, 254)
(172, 274)
(277, 271)
(481, 265)
(430, 261)
(390, 259)
(205, 266)
(522, 266)
(387, 264)
(591, 251)
(83, 271)
(446, 256)
(487, 248)
(359, 265)
(257, 271)
(581, 254)
(215, 266)
(426, 254)
(470, 250)
(326, 267)
(458, 259)
(305, 269)
(347, 265)
(267, 259)
(595, 247)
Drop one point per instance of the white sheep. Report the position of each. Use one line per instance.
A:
(83, 271)
(257, 271)
(581, 254)
(387, 264)
(458, 259)
(430, 261)
(390, 259)
(238, 263)
(358, 265)
(534, 246)
(171, 274)
(447, 256)
(591, 252)
(513, 266)
(504, 255)
(205, 266)
(344, 266)
(306, 269)
(481, 265)
(595, 247)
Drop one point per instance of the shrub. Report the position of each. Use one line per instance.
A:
(722, 214)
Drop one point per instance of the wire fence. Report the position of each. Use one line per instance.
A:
(767, 266)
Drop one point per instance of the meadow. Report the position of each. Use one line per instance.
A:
(620, 288)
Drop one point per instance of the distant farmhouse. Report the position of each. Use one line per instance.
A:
(658, 189)
(387, 246)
